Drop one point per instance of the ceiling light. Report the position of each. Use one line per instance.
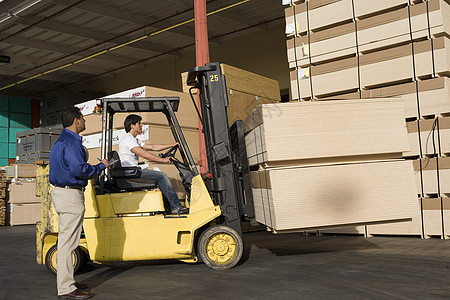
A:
(26, 6)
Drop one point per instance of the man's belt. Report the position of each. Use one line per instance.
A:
(74, 187)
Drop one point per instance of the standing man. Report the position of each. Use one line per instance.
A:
(130, 148)
(69, 172)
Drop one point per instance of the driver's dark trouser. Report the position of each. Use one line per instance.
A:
(164, 185)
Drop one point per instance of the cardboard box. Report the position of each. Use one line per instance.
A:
(36, 140)
(23, 192)
(23, 213)
(56, 103)
(21, 171)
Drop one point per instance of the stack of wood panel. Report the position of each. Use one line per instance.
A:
(245, 90)
(3, 184)
(323, 164)
(367, 48)
(349, 49)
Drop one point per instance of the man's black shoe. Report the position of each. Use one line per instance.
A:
(81, 286)
(180, 210)
(77, 294)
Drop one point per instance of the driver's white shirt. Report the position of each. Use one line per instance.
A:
(128, 158)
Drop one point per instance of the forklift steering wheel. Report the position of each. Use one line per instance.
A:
(170, 153)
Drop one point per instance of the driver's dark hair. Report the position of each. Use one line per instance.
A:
(131, 119)
(69, 114)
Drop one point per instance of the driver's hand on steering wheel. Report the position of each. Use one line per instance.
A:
(166, 160)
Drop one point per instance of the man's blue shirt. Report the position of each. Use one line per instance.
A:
(68, 164)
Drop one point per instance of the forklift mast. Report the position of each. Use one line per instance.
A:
(229, 175)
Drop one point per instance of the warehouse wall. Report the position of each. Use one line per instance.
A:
(263, 53)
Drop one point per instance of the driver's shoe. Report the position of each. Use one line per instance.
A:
(180, 210)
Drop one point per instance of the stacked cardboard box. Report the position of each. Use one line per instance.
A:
(22, 205)
(245, 91)
(329, 164)
(35, 144)
(51, 106)
(2, 197)
(344, 49)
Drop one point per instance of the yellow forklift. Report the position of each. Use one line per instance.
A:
(125, 219)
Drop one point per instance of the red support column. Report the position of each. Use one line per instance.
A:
(202, 57)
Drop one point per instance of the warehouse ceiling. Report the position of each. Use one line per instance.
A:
(55, 44)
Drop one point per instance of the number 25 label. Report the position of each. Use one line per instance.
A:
(213, 78)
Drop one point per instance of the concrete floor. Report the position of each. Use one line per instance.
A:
(274, 267)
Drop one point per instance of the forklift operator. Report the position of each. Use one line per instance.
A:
(130, 148)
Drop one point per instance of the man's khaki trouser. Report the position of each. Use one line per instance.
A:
(69, 204)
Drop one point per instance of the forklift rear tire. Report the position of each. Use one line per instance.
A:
(220, 247)
(78, 258)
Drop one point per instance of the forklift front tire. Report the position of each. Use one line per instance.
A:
(220, 247)
(78, 259)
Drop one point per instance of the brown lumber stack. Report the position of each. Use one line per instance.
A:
(344, 49)
(325, 164)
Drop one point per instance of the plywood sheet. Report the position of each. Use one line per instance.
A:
(320, 17)
(325, 129)
(413, 227)
(336, 195)
(433, 97)
(433, 210)
(370, 7)
(435, 175)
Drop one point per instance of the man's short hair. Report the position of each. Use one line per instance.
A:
(69, 114)
(131, 119)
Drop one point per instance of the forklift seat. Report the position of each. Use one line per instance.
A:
(127, 178)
